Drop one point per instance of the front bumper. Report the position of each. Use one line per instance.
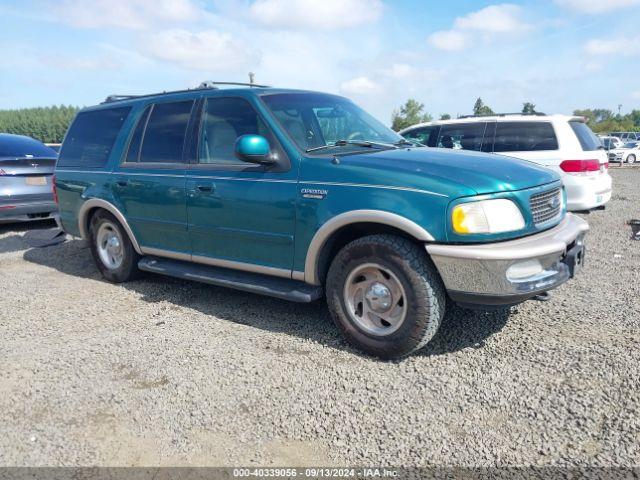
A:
(507, 273)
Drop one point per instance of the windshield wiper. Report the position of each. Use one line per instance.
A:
(357, 143)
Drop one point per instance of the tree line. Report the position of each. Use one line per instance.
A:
(47, 124)
(600, 120)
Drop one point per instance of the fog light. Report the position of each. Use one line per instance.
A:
(525, 269)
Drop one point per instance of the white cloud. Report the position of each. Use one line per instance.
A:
(635, 95)
(492, 20)
(612, 46)
(319, 14)
(593, 67)
(131, 14)
(594, 7)
(359, 86)
(400, 71)
(207, 50)
(449, 40)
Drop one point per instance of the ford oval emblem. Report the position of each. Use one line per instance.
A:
(554, 202)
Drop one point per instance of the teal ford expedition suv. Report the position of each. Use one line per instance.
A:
(297, 195)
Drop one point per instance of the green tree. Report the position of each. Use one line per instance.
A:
(47, 124)
(479, 108)
(409, 114)
(445, 116)
(528, 108)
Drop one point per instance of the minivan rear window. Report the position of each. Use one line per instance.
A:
(90, 138)
(588, 140)
(524, 137)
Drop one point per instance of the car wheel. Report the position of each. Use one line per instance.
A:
(112, 251)
(631, 159)
(386, 296)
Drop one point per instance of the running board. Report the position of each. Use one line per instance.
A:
(283, 288)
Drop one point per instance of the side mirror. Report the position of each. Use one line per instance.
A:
(254, 149)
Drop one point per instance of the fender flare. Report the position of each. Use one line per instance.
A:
(311, 274)
(99, 203)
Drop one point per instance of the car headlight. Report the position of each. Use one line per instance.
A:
(487, 216)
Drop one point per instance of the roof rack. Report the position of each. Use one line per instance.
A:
(534, 114)
(207, 85)
(210, 84)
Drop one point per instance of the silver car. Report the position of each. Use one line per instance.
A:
(26, 170)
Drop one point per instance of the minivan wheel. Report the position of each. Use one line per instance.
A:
(386, 296)
(112, 251)
(631, 159)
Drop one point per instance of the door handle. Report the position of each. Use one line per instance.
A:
(205, 188)
(122, 182)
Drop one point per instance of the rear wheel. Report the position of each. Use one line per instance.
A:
(112, 251)
(385, 295)
(631, 159)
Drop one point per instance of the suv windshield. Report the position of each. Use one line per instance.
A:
(316, 121)
(588, 140)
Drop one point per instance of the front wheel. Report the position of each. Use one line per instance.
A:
(112, 251)
(386, 296)
(631, 159)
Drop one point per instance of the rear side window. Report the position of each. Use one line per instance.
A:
(424, 135)
(90, 139)
(524, 137)
(588, 140)
(163, 138)
(466, 136)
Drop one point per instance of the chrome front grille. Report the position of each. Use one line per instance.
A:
(546, 206)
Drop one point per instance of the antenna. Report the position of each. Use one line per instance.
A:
(252, 78)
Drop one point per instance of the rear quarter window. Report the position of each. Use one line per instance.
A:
(525, 137)
(588, 140)
(90, 138)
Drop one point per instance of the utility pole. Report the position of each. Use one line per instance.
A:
(619, 108)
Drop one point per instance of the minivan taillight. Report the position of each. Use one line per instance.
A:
(54, 189)
(580, 166)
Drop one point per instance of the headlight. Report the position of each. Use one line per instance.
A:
(487, 216)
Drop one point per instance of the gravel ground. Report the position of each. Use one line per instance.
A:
(166, 372)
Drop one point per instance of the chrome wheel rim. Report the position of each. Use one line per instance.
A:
(109, 246)
(631, 159)
(375, 299)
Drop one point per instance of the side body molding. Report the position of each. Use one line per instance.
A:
(99, 203)
(356, 216)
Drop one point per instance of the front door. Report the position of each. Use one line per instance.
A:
(150, 183)
(240, 215)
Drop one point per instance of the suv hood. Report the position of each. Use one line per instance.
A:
(456, 173)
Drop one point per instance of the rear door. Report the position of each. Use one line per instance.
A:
(150, 181)
(241, 215)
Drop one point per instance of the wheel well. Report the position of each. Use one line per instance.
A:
(89, 216)
(348, 234)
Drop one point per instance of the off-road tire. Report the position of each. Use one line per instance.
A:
(423, 287)
(128, 270)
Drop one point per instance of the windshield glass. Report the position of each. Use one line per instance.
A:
(314, 120)
(630, 145)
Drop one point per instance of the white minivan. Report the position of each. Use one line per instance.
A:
(560, 142)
